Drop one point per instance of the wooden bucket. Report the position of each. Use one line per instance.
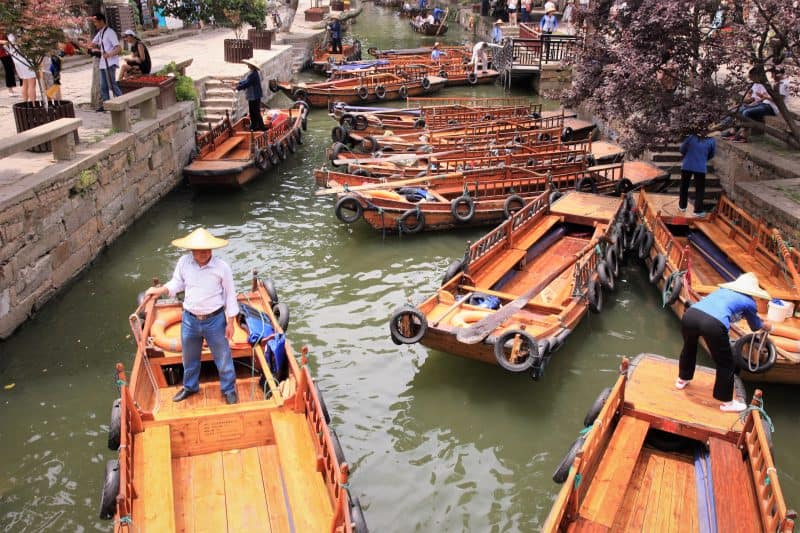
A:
(237, 49)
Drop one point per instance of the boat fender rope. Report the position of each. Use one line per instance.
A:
(586, 430)
(743, 415)
(345, 485)
(578, 479)
(121, 382)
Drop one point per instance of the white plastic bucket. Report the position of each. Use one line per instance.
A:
(776, 310)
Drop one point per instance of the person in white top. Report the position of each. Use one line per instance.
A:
(479, 55)
(511, 6)
(25, 71)
(430, 20)
(106, 47)
(209, 309)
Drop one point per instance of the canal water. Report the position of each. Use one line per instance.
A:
(436, 442)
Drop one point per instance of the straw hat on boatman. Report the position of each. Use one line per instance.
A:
(711, 318)
(209, 309)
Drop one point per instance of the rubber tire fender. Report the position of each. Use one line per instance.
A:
(645, 245)
(272, 292)
(361, 123)
(623, 186)
(380, 92)
(115, 426)
(274, 159)
(350, 202)
(443, 74)
(562, 470)
(339, 134)
(405, 228)
(338, 452)
(419, 123)
(261, 159)
(281, 150)
(403, 91)
(273, 85)
(324, 407)
(544, 137)
(605, 275)
(508, 207)
(426, 83)
(657, 268)
(555, 195)
(362, 92)
(357, 517)
(594, 293)
(742, 360)
(466, 201)
(499, 350)
(363, 172)
(291, 144)
(298, 136)
(394, 327)
(636, 238)
(675, 289)
(454, 268)
(301, 95)
(281, 312)
(597, 406)
(612, 259)
(371, 142)
(337, 149)
(581, 185)
(567, 134)
(347, 120)
(472, 78)
(108, 498)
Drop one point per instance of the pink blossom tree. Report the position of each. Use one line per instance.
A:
(37, 26)
(659, 70)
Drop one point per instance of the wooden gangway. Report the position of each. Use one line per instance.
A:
(526, 56)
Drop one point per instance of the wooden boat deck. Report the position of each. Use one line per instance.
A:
(585, 208)
(652, 395)
(604, 150)
(667, 206)
(209, 397)
(642, 172)
(536, 269)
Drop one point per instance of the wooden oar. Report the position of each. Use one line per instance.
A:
(410, 156)
(481, 329)
(387, 184)
(442, 21)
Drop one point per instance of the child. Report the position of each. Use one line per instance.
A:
(54, 91)
(252, 85)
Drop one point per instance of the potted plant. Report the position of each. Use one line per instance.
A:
(37, 26)
(259, 35)
(235, 14)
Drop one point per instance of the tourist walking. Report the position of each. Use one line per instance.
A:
(697, 150)
(711, 318)
(251, 84)
(209, 309)
(139, 62)
(105, 46)
(8, 66)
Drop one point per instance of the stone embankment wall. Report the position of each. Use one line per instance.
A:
(50, 232)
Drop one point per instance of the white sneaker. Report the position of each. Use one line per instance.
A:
(733, 406)
(681, 384)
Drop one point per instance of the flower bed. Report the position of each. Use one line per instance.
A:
(166, 97)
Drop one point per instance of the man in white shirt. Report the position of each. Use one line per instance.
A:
(105, 46)
(479, 55)
(209, 309)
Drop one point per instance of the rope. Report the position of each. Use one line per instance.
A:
(760, 408)
(578, 479)
(127, 521)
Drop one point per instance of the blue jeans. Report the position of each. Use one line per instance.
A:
(112, 73)
(758, 111)
(193, 331)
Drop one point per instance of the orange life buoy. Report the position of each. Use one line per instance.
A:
(165, 319)
(465, 319)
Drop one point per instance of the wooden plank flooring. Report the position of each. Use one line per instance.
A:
(605, 149)
(586, 206)
(734, 495)
(208, 396)
(651, 391)
(156, 478)
(639, 172)
(230, 491)
(667, 205)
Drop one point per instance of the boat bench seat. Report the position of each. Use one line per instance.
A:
(310, 507)
(154, 478)
(610, 483)
(226, 147)
(734, 496)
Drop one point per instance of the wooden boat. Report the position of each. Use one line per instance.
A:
(421, 51)
(230, 155)
(268, 462)
(457, 72)
(372, 88)
(431, 30)
(659, 459)
(323, 58)
(688, 257)
(522, 288)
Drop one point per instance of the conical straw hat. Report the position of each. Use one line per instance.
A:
(746, 284)
(200, 239)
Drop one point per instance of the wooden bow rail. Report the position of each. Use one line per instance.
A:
(476, 102)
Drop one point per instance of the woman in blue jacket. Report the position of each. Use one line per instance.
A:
(711, 319)
(697, 150)
(251, 84)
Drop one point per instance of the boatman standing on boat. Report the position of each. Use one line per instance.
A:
(711, 319)
(437, 53)
(209, 309)
(479, 55)
(335, 27)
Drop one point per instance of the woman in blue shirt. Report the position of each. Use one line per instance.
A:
(711, 319)
(697, 150)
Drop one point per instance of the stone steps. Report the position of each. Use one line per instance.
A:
(219, 98)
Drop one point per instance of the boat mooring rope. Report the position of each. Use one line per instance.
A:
(760, 408)
(127, 522)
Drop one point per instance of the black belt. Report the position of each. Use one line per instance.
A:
(206, 317)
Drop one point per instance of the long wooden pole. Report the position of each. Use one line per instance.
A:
(388, 184)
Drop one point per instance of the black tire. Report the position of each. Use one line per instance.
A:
(339, 134)
(273, 86)
(623, 186)
(594, 293)
(597, 406)
(281, 150)
(544, 137)
(657, 268)
(562, 470)
(500, 350)
(362, 92)
(605, 275)
(272, 292)
(472, 78)
(261, 159)
(108, 498)
(361, 123)
(456, 206)
(347, 121)
(612, 259)
(403, 91)
(454, 268)
(301, 95)
(274, 158)
(443, 74)
(336, 150)
(357, 517)
(418, 325)
(362, 172)
(555, 195)
(567, 134)
(645, 245)
(426, 83)
(291, 144)
(672, 289)
(412, 214)
(629, 202)
(591, 161)
(338, 452)
(380, 92)
(370, 143)
(298, 136)
(325, 413)
(115, 426)
(586, 182)
(281, 312)
(531, 162)
(766, 358)
(636, 240)
(509, 205)
(348, 203)
(419, 123)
